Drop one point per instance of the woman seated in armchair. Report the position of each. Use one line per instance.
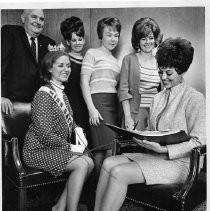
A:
(47, 144)
(178, 106)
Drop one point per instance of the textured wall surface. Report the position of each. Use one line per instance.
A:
(186, 22)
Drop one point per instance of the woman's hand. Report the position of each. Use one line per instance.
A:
(154, 146)
(77, 148)
(94, 117)
(129, 123)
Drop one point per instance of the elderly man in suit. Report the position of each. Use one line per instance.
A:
(21, 53)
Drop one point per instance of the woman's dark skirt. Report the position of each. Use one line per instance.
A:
(108, 106)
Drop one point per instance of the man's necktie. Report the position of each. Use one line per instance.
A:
(164, 107)
(33, 46)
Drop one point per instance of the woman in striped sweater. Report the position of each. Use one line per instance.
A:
(99, 79)
(139, 80)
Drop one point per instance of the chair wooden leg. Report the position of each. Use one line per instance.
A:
(22, 199)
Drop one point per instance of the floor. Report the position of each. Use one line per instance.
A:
(42, 196)
(127, 206)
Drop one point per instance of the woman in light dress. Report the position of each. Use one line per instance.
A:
(178, 107)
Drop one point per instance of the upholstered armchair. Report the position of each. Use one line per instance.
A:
(15, 173)
(173, 197)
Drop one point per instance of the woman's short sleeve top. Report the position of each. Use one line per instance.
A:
(103, 70)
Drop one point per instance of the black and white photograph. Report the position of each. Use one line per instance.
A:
(104, 105)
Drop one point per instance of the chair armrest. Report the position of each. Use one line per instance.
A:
(5, 136)
(194, 170)
(12, 155)
(121, 145)
(196, 154)
(16, 157)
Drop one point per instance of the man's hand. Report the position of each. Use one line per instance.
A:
(6, 105)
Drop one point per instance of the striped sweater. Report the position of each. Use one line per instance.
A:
(103, 70)
(149, 83)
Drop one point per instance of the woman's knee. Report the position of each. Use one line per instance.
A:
(79, 164)
(90, 163)
(117, 172)
(109, 163)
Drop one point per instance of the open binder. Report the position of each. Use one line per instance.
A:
(162, 137)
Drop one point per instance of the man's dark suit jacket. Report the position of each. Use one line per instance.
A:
(20, 74)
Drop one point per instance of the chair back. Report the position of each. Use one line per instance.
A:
(16, 124)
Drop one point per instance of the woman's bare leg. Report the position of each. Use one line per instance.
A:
(61, 203)
(108, 153)
(108, 164)
(90, 164)
(79, 167)
(99, 157)
(121, 176)
(98, 160)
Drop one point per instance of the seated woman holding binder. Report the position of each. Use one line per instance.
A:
(178, 106)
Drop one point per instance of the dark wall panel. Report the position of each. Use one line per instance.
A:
(53, 18)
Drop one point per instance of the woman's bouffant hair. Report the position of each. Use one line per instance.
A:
(175, 53)
(72, 25)
(47, 63)
(142, 28)
(110, 22)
